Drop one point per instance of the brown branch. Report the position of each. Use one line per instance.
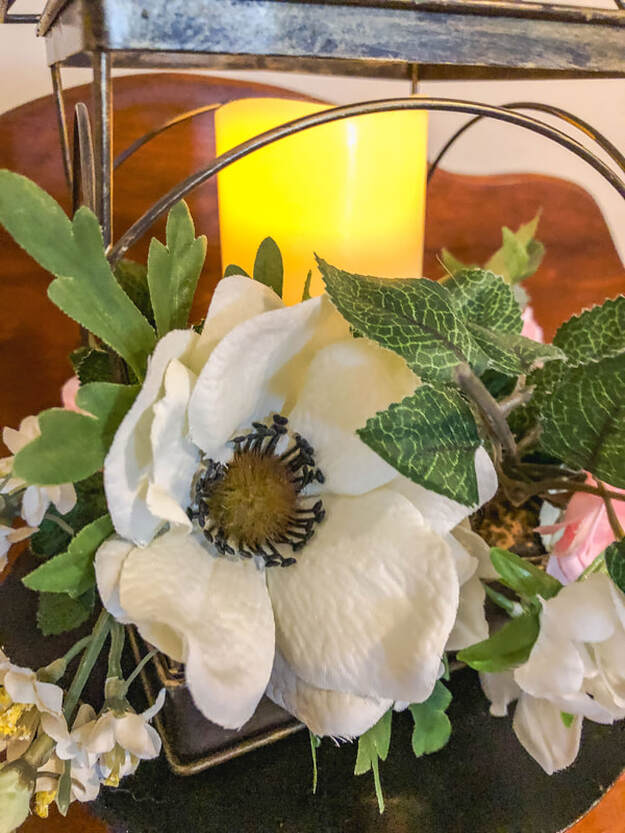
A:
(617, 529)
(489, 408)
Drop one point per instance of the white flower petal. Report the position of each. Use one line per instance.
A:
(35, 502)
(555, 666)
(348, 382)
(539, 727)
(233, 388)
(470, 625)
(175, 456)
(466, 564)
(155, 708)
(324, 712)
(221, 611)
(477, 547)
(609, 657)
(235, 299)
(129, 462)
(28, 431)
(371, 601)
(109, 560)
(501, 689)
(63, 497)
(442, 513)
(134, 735)
(98, 737)
(584, 611)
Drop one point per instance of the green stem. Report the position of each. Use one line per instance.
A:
(98, 638)
(144, 661)
(511, 607)
(375, 766)
(118, 638)
(76, 649)
(60, 523)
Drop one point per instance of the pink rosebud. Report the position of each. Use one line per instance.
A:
(68, 395)
(531, 329)
(586, 532)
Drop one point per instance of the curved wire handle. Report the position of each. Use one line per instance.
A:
(144, 222)
(604, 143)
(83, 160)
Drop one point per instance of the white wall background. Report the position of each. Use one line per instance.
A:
(488, 148)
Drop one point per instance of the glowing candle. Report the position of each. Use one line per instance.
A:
(352, 191)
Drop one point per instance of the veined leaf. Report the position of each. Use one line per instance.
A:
(268, 267)
(510, 353)
(174, 270)
(72, 571)
(93, 365)
(507, 648)
(615, 561)
(430, 437)
(432, 728)
(522, 576)
(483, 298)
(414, 318)
(595, 334)
(85, 287)
(583, 419)
(373, 746)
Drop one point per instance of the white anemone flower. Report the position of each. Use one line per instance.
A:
(26, 701)
(294, 559)
(36, 499)
(11, 535)
(575, 668)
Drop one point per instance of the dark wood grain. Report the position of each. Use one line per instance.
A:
(464, 214)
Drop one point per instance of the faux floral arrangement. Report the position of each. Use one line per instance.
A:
(285, 499)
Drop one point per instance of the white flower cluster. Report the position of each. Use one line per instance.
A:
(100, 749)
(575, 670)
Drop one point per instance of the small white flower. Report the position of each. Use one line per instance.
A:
(24, 702)
(10, 535)
(363, 617)
(17, 782)
(36, 499)
(575, 667)
(117, 741)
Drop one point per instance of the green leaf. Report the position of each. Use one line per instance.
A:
(233, 269)
(315, 743)
(108, 402)
(432, 728)
(507, 648)
(451, 263)
(72, 446)
(522, 576)
(91, 295)
(306, 290)
(51, 539)
(58, 612)
(520, 255)
(567, 719)
(430, 437)
(133, 279)
(615, 562)
(268, 268)
(483, 298)
(93, 365)
(72, 571)
(174, 270)
(415, 318)
(513, 354)
(596, 334)
(583, 420)
(64, 789)
(373, 746)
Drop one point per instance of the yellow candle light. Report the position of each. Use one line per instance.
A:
(351, 191)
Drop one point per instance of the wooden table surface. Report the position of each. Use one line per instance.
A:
(464, 214)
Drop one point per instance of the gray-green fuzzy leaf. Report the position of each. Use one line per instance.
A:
(430, 437)
(72, 571)
(268, 267)
(414, 318)
(174, 270)
(520, 255)
(85, 287)
(58, 612)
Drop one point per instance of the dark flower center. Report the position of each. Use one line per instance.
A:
(255, 502)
